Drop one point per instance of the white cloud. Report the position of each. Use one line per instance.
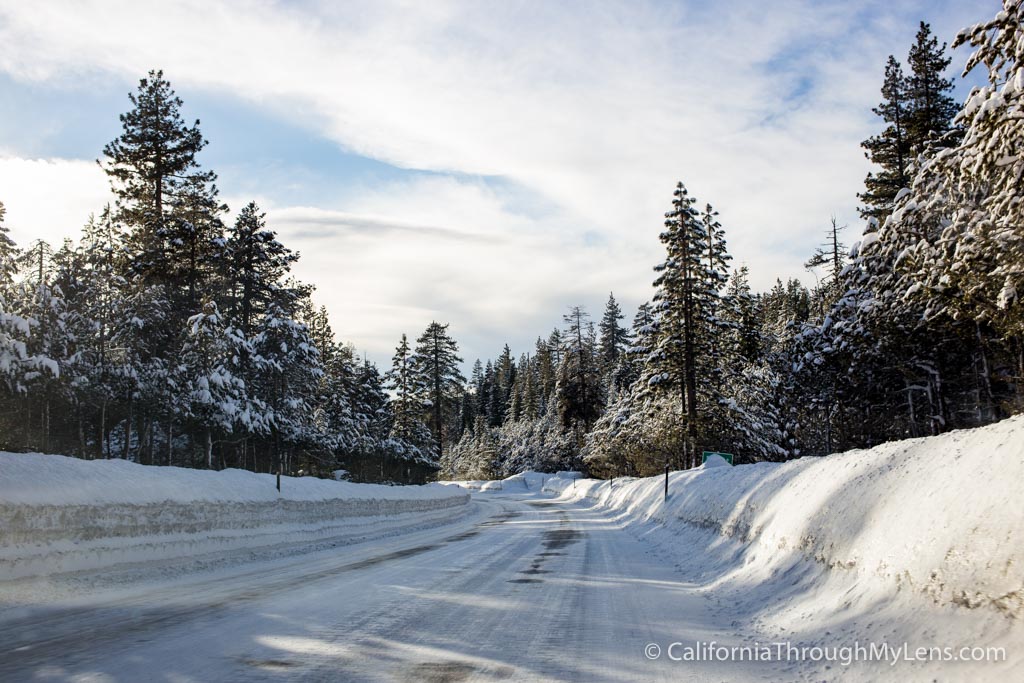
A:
(495, 276)
(594, 109)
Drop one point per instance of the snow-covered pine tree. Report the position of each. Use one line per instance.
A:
(712, 352)
(532, 399)
(289, 372)
(14, 328)
(547, 372)
(195, 241)
(631, 361)
(962, 216)
(48, 345)
(97, 296)
(501, 392)
(214, 396)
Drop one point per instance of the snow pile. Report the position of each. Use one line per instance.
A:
(938, 516)
(63, 514)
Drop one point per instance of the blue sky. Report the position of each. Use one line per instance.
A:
(484, 164)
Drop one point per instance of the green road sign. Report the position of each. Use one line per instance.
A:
(725, 456)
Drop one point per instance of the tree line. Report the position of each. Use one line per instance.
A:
(165, 336)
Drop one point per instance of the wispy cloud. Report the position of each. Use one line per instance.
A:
(587, 113)
(310, 223)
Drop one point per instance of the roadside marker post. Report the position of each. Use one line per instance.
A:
(666, 482)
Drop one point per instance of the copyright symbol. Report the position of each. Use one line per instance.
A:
(652, 650)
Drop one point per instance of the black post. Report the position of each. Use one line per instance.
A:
(666, 481)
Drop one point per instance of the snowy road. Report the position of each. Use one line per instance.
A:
(525, 589)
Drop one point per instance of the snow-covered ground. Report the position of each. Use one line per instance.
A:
(918, 542)
(871, 565)
(62, 514)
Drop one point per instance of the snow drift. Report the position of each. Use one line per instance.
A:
(938, 516)
(62, 514)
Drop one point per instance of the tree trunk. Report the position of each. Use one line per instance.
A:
(104, 441)
(170, 441)
(208, 448)
(126, 450)
(987, 402)
(46, 424)
(81, 435)
(910, 408)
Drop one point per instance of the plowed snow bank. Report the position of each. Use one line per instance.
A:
(62, 514)
(939, 516)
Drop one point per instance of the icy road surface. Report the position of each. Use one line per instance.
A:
(522, 589)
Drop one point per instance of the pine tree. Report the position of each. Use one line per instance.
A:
(410, 395)
(532, 403)
(679, 294)
(919, 112)
(8, 252)
(614, 337)
(742, 316)
(13, 327)
(215, 396)
(437, 366)
(504, 378)
(290, 369)
(547, 372)
(151, 166)
(579, 394)
(932, 107)
(477, 393)
(89, 276)
(256, 264)
(962, 217)
(891, 150)
(195, 241)
(48, 345)
(716, 274)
